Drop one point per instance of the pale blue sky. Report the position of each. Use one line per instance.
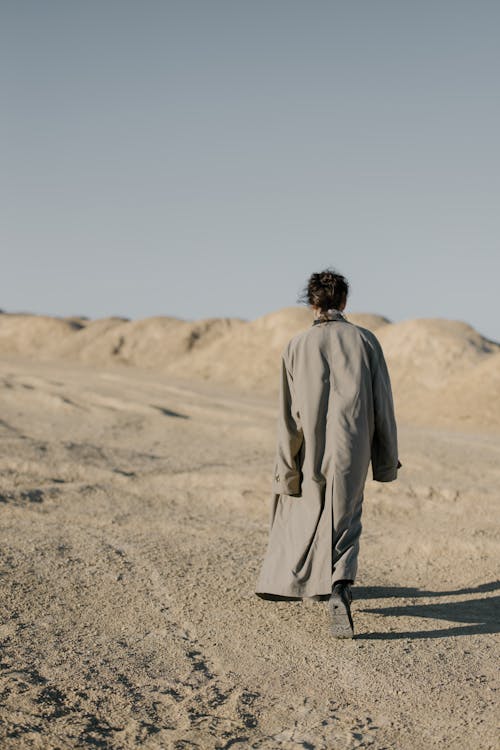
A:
(201, 158)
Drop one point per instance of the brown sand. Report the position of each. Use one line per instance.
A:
(443, 371)
(134, 510)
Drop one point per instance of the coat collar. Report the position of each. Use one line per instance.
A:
(328, 315)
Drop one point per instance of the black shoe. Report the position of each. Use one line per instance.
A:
(340, 610)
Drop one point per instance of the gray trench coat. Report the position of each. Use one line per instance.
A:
(336, 414)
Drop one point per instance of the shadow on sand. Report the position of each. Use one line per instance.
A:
(480, 615)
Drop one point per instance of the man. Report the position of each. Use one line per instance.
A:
(336, 414)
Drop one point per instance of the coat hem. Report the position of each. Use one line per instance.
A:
(277, 597)
(290, 598)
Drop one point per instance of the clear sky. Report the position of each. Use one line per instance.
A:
(201, 158)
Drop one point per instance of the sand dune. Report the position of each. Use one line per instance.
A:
(443, 371)
(33, 334)
(428, 351)
(471, 395)
(153, 342)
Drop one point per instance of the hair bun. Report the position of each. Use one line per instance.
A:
(326, 289)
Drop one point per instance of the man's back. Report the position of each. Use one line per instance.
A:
(332, 368)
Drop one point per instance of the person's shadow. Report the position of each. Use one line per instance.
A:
(481, 615)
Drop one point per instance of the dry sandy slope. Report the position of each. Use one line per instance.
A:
(443, 371)
(134, 520)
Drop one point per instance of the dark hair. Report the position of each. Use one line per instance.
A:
(325, 290)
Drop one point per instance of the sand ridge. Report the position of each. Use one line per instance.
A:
(443, 371)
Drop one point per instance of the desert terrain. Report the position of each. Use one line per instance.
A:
(136, 466)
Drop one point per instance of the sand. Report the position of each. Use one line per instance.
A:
(443, 371)
(134, 505)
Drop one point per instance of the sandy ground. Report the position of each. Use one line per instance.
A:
(134, 520)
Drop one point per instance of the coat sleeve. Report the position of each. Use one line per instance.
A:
(290, 436)
(384, 449)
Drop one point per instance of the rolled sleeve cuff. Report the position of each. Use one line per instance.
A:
(288, 483)
(386, 473)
